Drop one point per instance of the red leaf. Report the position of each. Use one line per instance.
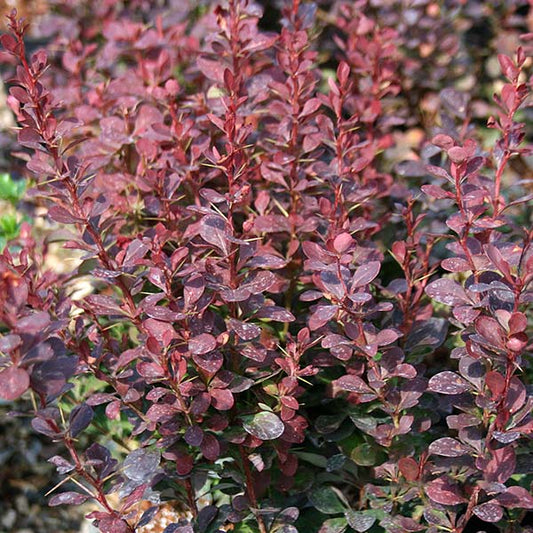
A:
(490, 330)
(386, 336)
(14, 382)
(516, 497)
(194, 436)
(447, 291)
(439, 172)
(235, 295)
(501, 465)
(161, 331)
(222, 399)
(244, 330)
(322, 315)
(489, 511)
(457, 154)
(436, 192)
(214, 230)
(67, 498)
(440, 490)
(517, 323)
(516, 395)
(333, 284)
(311, 106)
(455, 264)
(496, 383)
(442, 141)
(184, 464)
(136, 250)
(262, 281)
(498, 261)
(80, 418)
(113, 525)
(210, 447)
(447, 447)
(202, 344)
(103, 305)
(214, 70)
(34, 323)
(9, 42)
(409, 468)
(365, 274)
(343, 242)
(509, 69)
(193, 289)
(278, 314)
(352, 383)
(211, 362)
(448, 383)
(62, 215)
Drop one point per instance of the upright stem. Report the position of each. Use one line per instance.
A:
(250, 489)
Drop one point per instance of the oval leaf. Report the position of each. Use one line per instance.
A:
(14, 382)
(359, 520)
(365, 274)
(264, 425)
(326, 500)
(440, 490)
(141, 464)
(447, 447)
(67, 498)
(448, 292)
(448, 383)
(489, 511)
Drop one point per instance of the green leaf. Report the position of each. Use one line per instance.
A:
(364, 455)
(326, 500)
(9, 226)
(334, 525)
(10, 189)
(335, 462)
(312, 458)
(245, 527)
(359, 520)
(264, 425)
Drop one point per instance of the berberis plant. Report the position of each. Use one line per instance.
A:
(310, 262)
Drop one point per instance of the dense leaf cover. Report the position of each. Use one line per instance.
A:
(299, 318)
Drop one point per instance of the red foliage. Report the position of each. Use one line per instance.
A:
(272, 301)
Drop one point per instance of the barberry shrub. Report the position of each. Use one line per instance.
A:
(309, 259)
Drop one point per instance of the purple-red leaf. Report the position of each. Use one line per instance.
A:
(62, 215)
(448, 383)
(516, 497)
(67, 498)
(202, 344)
(322, 315)
(244, 330)
(352, 383)
(222, 399)
(447, 447)
(210, 362)
(80, 417)
(278, 314)
(489, 511)
(14, 382)
(214, 230)
(210, 447)
(365, 274)
(436, 192)
(447, 291)
(442, 491)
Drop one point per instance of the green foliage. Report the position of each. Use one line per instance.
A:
(11, 190)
